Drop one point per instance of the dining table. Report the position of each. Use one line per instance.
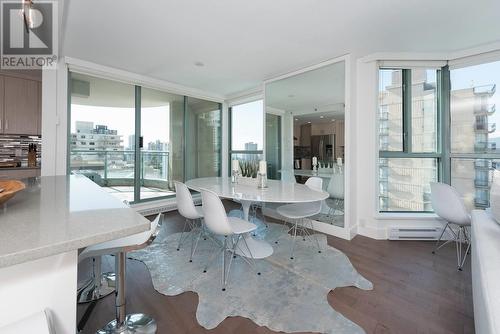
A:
(248, 193)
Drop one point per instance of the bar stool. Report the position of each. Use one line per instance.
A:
(99, 285)
(126, 323)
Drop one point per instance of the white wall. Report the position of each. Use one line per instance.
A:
(54, 120)
(45, 284)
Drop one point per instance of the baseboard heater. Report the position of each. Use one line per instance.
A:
(414, 233)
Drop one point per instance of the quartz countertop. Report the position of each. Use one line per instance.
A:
(57, 214)
(18, 168)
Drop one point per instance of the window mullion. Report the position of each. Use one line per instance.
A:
(406, 87)
(444, 88)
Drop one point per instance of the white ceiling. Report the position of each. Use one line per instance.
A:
(318, 118)
(322, 89)
(241, 43)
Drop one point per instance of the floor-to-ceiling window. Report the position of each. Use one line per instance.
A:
(102, 131)
(409, 154)
(475, 139)
(156, 146)
(136, 141)
(273, 145)
(203, 144)
(246, 131)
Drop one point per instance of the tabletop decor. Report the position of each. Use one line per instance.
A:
(235, 170)
(315, 164)
(262, 175)
(248, 168)
(9, 188)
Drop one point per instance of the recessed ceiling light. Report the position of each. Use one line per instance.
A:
(309, 122)
(296, 119)
(321, 116)
(199, 64)
(333, 120)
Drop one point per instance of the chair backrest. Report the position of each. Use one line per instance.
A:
(315, 183)
(448, 204)
(185, 204)
(215, 217)
(336, 186)
(38, 323)
(288, 176)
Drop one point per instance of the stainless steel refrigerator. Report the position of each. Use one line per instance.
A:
(323, 147)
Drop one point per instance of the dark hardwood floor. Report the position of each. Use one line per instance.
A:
(414, 292)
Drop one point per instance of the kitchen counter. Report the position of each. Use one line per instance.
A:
(307, 172)
(57, 214)
(18, 168)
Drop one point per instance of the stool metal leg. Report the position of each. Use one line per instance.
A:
(101, 284)
(126, 323)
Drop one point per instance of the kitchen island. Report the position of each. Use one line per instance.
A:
(41, 230)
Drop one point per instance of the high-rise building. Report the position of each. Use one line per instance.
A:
(96, 143)
(471, 130)
(404, 182)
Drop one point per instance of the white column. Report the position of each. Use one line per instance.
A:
(54, 120)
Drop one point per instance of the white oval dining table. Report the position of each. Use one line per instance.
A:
(247, 194)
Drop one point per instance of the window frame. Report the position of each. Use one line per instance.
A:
(442, 129)
(230, 137)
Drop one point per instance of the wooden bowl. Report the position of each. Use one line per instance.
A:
(10, 188)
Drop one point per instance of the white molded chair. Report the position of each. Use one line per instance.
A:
(131, 323)
(38, 323)
(298, 212)
(448, 205)
(192, 215)
(231, 228)
(336, 190)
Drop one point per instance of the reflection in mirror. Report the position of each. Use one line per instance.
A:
(312, 109)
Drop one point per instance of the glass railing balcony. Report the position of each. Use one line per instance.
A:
(117, 168)
(485, 109)
(486, 89)
(486, 127)
(482, 183)
(483, 164)
(481, 202)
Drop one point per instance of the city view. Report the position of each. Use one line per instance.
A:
(404, 182)
(179, 138)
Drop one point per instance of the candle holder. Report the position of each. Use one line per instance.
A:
(261, 180)
(234, 176)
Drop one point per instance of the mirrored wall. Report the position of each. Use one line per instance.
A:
(311, 109)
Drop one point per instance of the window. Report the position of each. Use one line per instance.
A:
(140, 139)
(247, 131)
(474, 135)
(409, 156)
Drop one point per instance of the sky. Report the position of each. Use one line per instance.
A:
(247, 124)
(154, 121)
